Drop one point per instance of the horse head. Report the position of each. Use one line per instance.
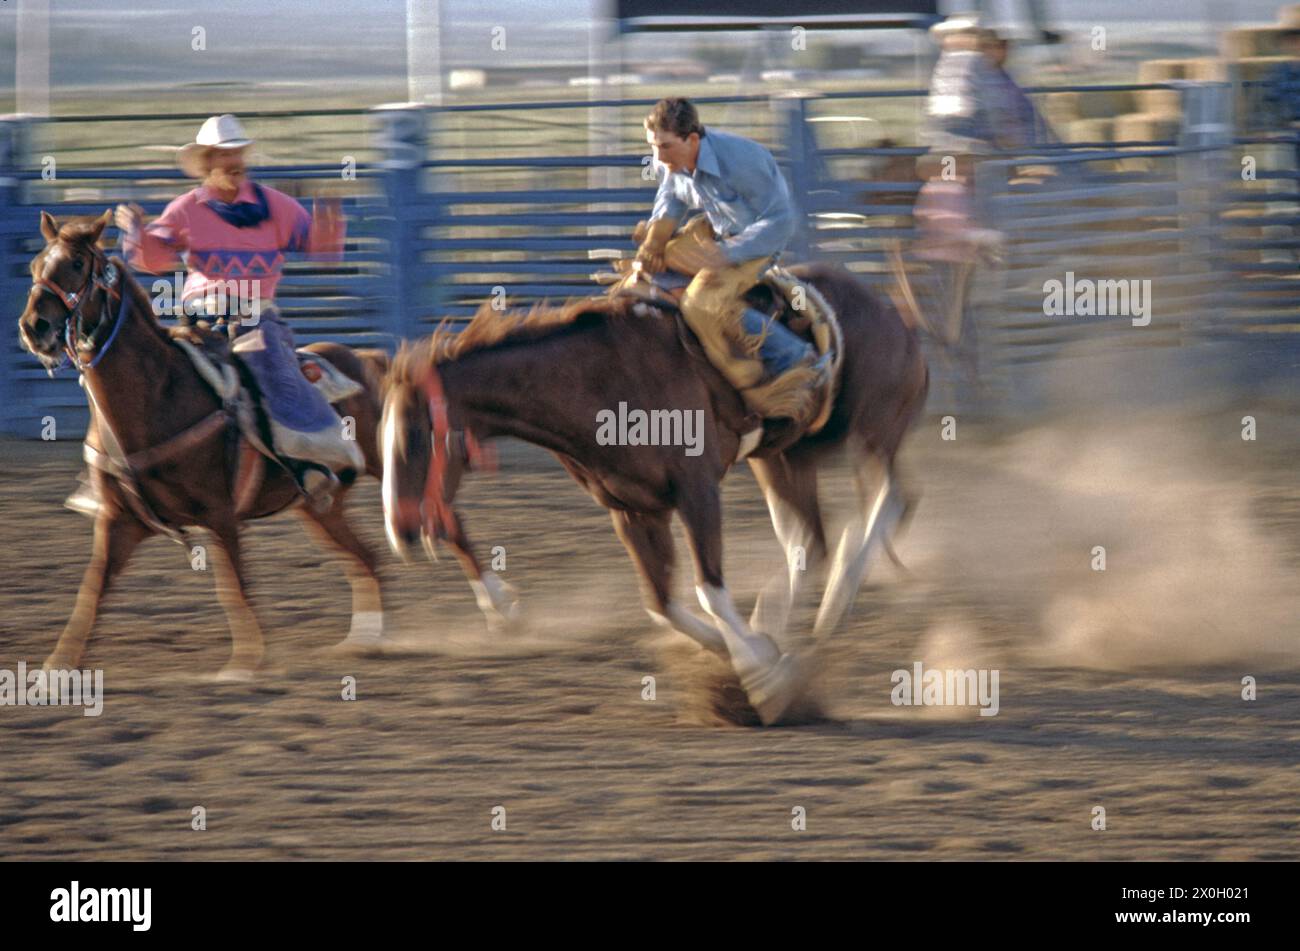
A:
(424, 458)
(65, 274)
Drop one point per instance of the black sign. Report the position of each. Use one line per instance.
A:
(759, 9)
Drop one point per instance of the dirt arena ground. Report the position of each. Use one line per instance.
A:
(1119, 689)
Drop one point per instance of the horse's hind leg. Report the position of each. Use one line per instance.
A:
(769, 678)
(649, 540)
(246, 633)
(790, 487)
(362, 568)
(116, 537)
(882, 509)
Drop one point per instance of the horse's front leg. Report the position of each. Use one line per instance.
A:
(496, 599)
(772, 679)
(117, 533)
(246, 633)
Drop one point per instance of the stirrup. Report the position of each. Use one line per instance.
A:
(318, 485)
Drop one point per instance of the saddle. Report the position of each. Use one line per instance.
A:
(778, 293)
(234, 384)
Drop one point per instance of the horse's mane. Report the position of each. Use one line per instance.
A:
(490, 327)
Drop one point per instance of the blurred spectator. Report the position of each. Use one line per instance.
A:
(1014, 118)
(974, 109)
(959, 119)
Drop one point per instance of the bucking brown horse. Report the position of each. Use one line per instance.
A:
(551, 375)
(177, 439)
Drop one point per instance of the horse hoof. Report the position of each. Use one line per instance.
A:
(512, 622)
(359, 645)
(234, 675)
(774, 690)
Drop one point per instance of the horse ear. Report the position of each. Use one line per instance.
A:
(49, 227)
(97, 227)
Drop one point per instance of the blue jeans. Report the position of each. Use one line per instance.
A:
(782, 348)
(268, 350)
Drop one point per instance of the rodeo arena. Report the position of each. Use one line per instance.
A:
(949, 354)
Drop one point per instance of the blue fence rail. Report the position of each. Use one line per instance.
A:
(448, 207)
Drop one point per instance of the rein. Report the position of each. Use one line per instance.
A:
(476, 454)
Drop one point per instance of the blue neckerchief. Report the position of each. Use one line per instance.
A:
(242, 214)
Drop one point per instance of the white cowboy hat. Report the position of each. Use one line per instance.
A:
(956, 24)
(218, 132)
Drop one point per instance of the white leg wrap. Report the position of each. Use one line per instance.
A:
(680, 619)
(853, 557)
(772, 680)
(494, 596)
(367, 626)
(749, 652)
(772, 609)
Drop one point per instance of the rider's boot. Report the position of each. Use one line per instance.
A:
(318, 485)
(782, 349)
(317, 458)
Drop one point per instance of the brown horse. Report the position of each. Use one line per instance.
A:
(550, 376)
(176, 435)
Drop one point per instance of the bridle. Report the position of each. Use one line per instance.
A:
(103, 276)
(476, 455)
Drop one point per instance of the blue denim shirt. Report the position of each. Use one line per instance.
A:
(740, 189)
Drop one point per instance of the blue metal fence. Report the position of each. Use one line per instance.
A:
(449, 207)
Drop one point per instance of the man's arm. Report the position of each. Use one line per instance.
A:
(157, 247)
(667, 204)
(319, 233)
(667, 213)
(762, 186)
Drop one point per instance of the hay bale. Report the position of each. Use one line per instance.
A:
(1058, 108)
(1100, 104)
(1208, 70)
(1255, 68)
(1087, 130)
(1160, 102)
(1247, 42)
(1145, 127)
(1163, 70)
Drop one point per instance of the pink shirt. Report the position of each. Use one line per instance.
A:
(943, 219)
(216, 252)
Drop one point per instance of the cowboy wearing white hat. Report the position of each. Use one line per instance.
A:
(232, 235)
(219, 133)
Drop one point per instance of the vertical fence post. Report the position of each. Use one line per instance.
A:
(801, 151)
(14, 140)
(1206, 135)
(401, 138)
